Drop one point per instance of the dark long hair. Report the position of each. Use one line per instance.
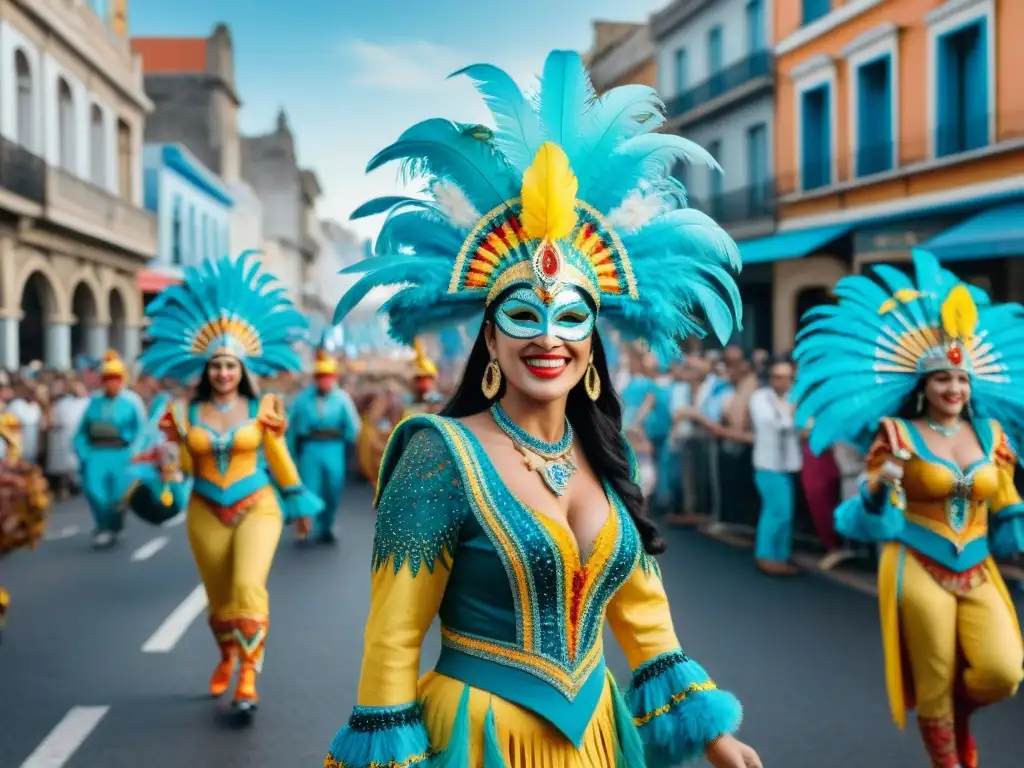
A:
(598, 426)
(204, 389)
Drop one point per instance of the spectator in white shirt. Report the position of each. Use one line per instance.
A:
(777, 459)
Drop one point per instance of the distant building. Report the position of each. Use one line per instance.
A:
(622, 54)
(73, 232)
(193, 209)
(716, 75)
(898, 124)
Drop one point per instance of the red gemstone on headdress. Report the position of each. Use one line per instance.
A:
(549, 262)
(954, 355)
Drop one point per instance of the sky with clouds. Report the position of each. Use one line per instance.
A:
(353, 74)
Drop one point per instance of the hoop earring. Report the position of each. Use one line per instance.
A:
(592, 381)
(492, 380)
(920, 402)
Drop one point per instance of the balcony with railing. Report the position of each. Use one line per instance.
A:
(21, 172)
(745, 212)
(84, 208)
(878, 160)
(746, 78)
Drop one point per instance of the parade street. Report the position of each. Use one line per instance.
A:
(106, 657)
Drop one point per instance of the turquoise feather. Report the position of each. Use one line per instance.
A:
(439, 149)
(519, 133)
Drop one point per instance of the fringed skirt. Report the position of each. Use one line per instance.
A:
(476, 729)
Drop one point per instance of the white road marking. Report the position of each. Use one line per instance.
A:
(174, 627)
(149, 549)
(64, 533)
(175, 521)
(69, 734)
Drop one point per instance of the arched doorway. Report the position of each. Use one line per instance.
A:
(85, 311)
(37, 303)
(117, 321)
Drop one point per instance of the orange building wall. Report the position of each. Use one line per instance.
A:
(913, 118)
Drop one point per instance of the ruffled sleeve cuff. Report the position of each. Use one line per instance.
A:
(678, 709)
(862, 517)
(382, 736)
(298, 502)
(1008, 531)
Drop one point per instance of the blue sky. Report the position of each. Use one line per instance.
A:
(352, 74)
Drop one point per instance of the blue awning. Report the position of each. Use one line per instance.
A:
(790, 245)
(988, 235)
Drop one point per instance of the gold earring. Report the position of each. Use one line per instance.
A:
(592, 381)
(492, 380)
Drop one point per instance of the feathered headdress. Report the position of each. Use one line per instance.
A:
(423, 366)
(113, 366)
(858, 361)
(325, 363)
(223, 307)
(575, 190)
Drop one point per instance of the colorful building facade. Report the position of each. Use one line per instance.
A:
(898, 123)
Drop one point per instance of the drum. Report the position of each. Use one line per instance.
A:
(24, 505)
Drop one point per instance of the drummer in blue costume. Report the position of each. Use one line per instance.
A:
(514, 516)
(104, 444)
(324, 422)
(931, 369)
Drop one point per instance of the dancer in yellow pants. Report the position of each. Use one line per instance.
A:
(224, 322)
(928, 359)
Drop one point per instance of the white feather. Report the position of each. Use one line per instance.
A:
(455, 205)
(636, 211)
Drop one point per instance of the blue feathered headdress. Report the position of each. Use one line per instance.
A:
(569, 188)
(858, 361)
(224, 306)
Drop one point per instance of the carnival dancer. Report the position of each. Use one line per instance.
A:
(425, 398)
(225, 323)
(24, 499)
(932, 365)
(542, 223)
(323, 423)
(104, 444)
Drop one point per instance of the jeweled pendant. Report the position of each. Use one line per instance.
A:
(556, 476)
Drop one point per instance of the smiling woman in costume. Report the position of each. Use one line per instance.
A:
(933, 366)
(225, 322)
(515, 515)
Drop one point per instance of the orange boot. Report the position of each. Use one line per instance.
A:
(250, 637)
(220, 681)
(939, 737)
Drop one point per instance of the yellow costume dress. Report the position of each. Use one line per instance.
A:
(244, 482)
(950, 634)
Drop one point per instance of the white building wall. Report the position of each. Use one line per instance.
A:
(284, 262)
(193, 201)
(730, 129)
(246, 220)
(693, 36)
(45, 141)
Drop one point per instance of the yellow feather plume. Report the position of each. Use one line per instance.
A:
(959, 314)
(549, 195)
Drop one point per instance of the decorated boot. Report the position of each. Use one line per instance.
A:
(939, 738)
(224, 634)
(250, 638)
(966, 746)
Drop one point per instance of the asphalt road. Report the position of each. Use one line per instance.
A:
(803, 655)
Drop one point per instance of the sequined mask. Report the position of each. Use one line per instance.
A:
(525, 314)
